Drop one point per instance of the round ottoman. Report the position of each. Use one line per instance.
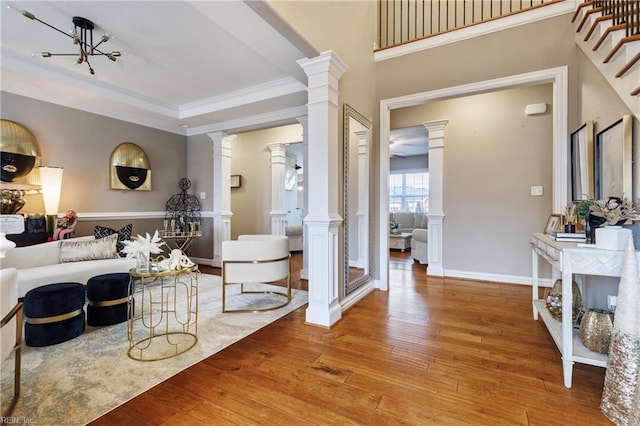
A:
(108, 296)
(55, 313)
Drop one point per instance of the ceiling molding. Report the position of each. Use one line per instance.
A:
(261, 92)
(286, 116)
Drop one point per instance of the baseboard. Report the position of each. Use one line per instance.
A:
(498, 278)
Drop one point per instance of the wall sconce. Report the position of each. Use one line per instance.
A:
(51, 181)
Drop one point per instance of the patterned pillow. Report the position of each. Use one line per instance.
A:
(124, 234)
(77, 251)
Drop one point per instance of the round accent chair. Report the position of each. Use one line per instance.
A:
(55, 313)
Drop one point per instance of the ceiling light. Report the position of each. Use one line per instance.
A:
(82, 36)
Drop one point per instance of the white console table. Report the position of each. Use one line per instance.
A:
(571, 259)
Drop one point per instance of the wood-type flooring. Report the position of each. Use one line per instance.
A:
(430, 351)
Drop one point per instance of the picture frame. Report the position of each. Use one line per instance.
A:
(554, 223)
(582, 159)
(236, 181)
(613, 160)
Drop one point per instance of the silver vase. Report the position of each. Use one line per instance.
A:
(595, 330)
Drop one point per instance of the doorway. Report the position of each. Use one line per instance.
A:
(557, 76)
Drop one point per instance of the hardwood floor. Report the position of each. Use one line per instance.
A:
(429, 351)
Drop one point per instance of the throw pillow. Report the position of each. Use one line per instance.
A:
(77, 251)
(425, 222)
(124, 234)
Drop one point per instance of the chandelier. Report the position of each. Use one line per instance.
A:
(82, 37)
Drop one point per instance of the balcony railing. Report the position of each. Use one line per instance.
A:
(622, 12)
(403, 21)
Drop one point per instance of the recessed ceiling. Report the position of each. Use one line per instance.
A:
(188, 67)
(408, 141)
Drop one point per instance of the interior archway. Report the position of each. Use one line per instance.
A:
(557, 76)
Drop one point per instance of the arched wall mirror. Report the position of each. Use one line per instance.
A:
(357, 199)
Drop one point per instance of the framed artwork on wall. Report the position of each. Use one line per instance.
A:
(236, 181)
(582, 169)
(613, 160)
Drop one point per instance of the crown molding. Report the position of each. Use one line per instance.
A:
(285, 116)
(261, 92)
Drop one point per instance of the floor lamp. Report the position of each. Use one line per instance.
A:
(51, 181)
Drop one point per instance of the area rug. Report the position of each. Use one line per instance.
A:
(77, 381)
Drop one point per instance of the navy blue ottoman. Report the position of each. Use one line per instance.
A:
(108, 296)
(55, 313)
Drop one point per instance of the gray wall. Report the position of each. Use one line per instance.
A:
(494, 153)
(82, 143)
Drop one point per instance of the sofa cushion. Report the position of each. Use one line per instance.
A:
(76, 251)
(73, 271)
(124, 234)
(405, 219)
(32, 256)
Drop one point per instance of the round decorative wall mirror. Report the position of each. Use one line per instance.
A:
(130, 168)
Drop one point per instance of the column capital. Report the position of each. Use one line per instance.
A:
(326, 62)
(220, 137)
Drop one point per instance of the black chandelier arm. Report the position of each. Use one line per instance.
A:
(34, 18)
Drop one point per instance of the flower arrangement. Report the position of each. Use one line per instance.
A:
(140, 248)
(394, 227)
(612, 211)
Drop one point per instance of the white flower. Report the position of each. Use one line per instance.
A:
(143, 245)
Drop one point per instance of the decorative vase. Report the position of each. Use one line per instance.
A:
(593, 222)
(595, 330)
(553, 300)
(142, 262)
(612, 237)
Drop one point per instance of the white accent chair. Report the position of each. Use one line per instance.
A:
(294, 232)
(11, 327)
(256, 259)
(419, 240)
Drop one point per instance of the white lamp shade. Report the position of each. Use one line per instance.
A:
(51, 181)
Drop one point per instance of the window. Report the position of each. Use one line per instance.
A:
(407, 190)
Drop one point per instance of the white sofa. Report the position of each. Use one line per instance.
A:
(419, 243)
(408, 221)
(416, 224)
(40, 264)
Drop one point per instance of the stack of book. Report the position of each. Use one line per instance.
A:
(568, 237)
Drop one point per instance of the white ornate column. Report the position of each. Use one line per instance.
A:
(435, 129)
(278, 211)
(304, 273)
(363, 198)
(221, 192)
(323, 219)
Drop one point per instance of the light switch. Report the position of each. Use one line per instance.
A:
(203, 195)
(537, 191)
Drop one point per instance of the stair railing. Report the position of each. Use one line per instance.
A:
(403, 21)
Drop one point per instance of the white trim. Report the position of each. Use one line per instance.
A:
(90, 216)
(496, 278)
(500, 24)
(257, 93)
(357, 295)
(281, 117)
(558, 76)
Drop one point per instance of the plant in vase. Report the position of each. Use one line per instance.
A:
(613, 211)
(141, 248)
(394, 227)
